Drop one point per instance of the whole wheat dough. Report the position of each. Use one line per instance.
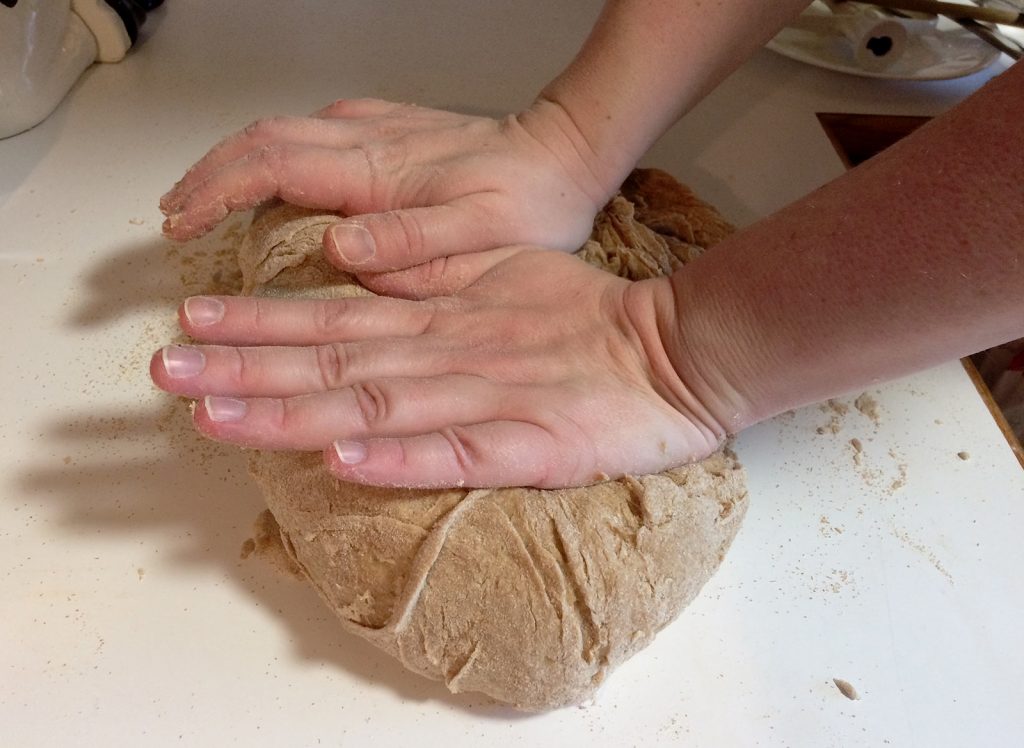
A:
(529, 596)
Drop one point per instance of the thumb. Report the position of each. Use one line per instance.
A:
(399, 239)
(443, 276)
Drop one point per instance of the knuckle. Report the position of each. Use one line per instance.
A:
(444, 315)
(384, 130)
(408, 284)
(272, 155)
(259, 314)
(463, 451)
(407, 234)
(254, 130)
(332, 363)
(432, 318)
(404, 458)
(330, 317)
(372, 404)
(247, 366)
(374, 179)
(544, 475)
(262, 129)
(368, 154)
(384, 155)
(437, 269)
(350, 107)
(337, 108)
(385, 161)
(285, 415)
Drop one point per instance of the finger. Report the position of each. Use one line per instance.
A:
(308, 176)
(311, 131)
(388, 407)
(275, 371)
(484, 455)
(232, 320)
(442, 276)
(357, 109)
(400, 239)
(272, 131)
(296, 131)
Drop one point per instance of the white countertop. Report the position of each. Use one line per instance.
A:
(128, 615)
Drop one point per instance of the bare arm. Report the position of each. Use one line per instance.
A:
(914, 258)
(648, 62)
(423, 185)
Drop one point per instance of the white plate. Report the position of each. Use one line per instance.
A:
(938, 52)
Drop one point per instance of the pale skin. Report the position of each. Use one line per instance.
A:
(506, 364)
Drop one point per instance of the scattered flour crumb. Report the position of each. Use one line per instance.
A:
(901, 479)
(827, 529)
(840, 408)
(836, 411)
(868, 406)
(904, 537)
(267, 544)
(834, 426)
(858, 451)
(846, 689)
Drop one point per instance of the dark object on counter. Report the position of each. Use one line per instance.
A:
(133, 14)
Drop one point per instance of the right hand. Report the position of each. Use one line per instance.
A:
(424, 189)
(544, 371)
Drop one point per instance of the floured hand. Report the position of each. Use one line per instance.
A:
(544, 371)
(420, 184)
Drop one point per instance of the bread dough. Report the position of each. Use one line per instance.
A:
(529, 596)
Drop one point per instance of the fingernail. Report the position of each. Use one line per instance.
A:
(351, 453)
(202, 310)
(182, 361)
(225, 409)
(354, 243)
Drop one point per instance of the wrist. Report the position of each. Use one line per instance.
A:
(681, 382)
(713, 346)
(568, 135)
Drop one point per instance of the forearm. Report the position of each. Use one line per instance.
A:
(647, 62)
(912, 259)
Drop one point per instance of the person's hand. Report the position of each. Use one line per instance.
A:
(543, 372)
(420, 184)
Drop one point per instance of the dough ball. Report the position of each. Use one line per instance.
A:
(529, 596)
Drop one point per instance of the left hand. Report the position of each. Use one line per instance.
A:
(542, 372)
(426, 192)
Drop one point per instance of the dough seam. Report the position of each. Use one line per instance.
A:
(422, 564)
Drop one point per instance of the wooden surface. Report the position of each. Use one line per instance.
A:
(858, 137)
(994, 409)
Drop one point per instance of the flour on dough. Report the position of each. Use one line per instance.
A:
(529, 596)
